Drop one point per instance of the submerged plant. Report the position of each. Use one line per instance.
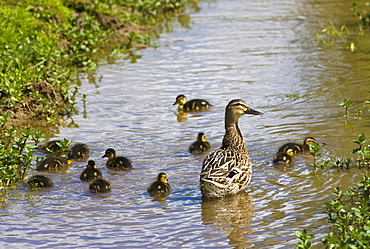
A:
(346, 103)
(331, 34)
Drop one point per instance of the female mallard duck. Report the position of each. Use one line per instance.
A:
(91, 173)
(100, 186)
(228, 170)
(53, 164)
(78, 151)
(161, 186)
(284, 157)
(116, 163)
(40, 181)
(199, 146)
(191, 105)
(299, 148)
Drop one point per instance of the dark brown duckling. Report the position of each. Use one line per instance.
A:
(53, 164)
(50, 147)
(193, 105)
(100, 186)
(161, 186)
(200, 146)
(284, 157)
(39, 181)
(78, 151)
(91, 172)
(116, 163)
(299, 148)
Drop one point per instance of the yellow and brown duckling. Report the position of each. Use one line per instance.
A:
(160, 186)
(193, 105)
(53, 164)
(116, 163)
(284, 157)
(78, 151)
(39, 181)
(299, 148)
(100, 186)
(200, 146)
(91, 172)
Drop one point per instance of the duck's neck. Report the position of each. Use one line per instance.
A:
(233, 139)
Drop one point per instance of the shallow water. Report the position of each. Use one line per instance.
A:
(262, 52)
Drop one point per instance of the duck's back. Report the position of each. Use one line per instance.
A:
(196, 105)
(228, 168)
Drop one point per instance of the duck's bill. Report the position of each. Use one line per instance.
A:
(253, 112)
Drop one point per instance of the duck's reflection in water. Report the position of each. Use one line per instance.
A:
(232, 215)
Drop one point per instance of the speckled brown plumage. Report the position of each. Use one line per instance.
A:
(228, 170)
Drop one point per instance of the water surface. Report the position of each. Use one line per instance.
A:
(260, 51)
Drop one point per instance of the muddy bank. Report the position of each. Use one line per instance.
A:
(38, 60)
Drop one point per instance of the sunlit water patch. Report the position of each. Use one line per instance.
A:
(259, 51)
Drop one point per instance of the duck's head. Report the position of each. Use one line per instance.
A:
(309, 140)
(202, 137)
(162, 177)
(91, 164)
(237, 108)
(110, 153)
(180, 100)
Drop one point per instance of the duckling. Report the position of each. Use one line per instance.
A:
(284, 157)
(50, 147)
(53, 164)
(191, 105)
(299, 148)
(116, 163)
(228, 170)
(100, 186)
(91, 173)
(160, 186)
(39, 181)
(199, 146)
(79, 150)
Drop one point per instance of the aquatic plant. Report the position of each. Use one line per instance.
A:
(349, 215)
(331, 34)
(363, 151)
(346, 103)
(16, 153)
(348, 212)
(305, 239)
(363, 16)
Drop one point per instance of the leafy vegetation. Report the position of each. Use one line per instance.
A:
(43, 43)
(16, 153)
(331, 33)
(348, 212)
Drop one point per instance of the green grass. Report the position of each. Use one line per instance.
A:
(43, 43)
